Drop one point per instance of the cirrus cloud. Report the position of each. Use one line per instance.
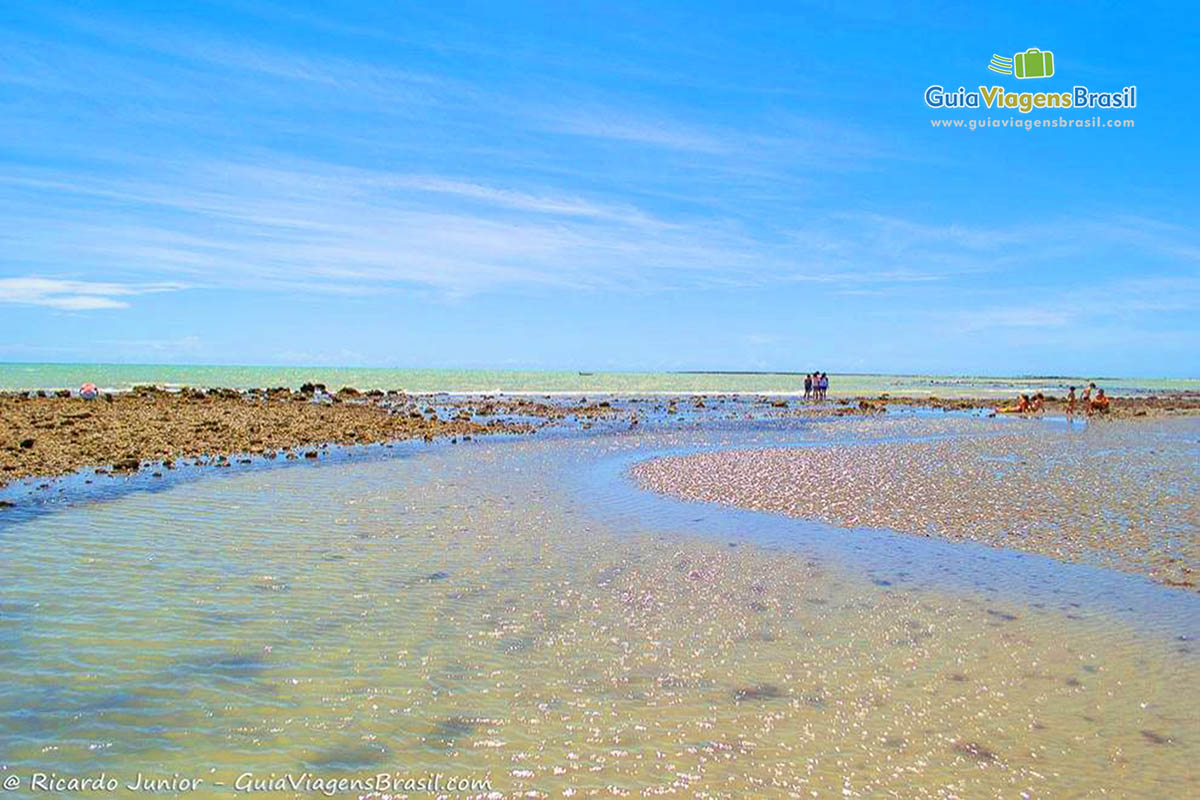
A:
(72, 295)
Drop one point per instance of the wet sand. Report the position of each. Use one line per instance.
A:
(1121, 495)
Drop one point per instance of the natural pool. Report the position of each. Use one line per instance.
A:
(521, 611)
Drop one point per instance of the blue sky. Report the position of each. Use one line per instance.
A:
(608, 186)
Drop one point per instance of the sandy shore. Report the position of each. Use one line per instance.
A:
(1123, 496)
(49, 434)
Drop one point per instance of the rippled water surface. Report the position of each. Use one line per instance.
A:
(1120, 496)
(521, 611)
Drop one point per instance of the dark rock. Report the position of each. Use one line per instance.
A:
(759, 691)
(27, 444)
(455, 728)
(975, 750)
(516, 644)
(356, 757)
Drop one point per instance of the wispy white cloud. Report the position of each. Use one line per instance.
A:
(317, 225)
(1089, 306)
(307, 226)
(1037, 316)
(72, 295)
(620, 126)
(550, 204)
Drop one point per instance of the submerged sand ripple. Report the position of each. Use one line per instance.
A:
(457, 613)
(1120, 496)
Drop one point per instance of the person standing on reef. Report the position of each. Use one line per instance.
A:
(1071, 402)
(808, 387)
(824, 384)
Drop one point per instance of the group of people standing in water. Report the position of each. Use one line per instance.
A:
(1096, 403)
(816, 385)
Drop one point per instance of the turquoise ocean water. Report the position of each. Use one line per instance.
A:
(124, 376)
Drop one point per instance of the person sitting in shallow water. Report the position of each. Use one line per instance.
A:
(1023, 406)
(1099, 404)
(1039, 403)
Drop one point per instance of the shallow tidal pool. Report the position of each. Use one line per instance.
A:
(521, 612)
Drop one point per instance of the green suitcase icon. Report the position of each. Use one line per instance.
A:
(1033, 63)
